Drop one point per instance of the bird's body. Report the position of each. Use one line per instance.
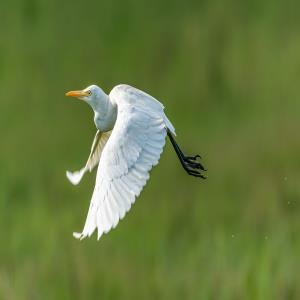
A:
(132, 128)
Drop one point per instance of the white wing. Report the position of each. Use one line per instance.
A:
(99, 142)
(135, 145)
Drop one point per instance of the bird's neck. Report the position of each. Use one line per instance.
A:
(105, 114)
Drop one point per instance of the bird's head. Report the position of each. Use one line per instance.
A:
(92, 94)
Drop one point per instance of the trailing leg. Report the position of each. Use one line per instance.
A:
(189, 163)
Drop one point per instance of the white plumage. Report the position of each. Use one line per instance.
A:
(132, 128)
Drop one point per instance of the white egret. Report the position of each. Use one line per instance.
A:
(131, 131)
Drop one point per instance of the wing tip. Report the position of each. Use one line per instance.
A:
(74, 178)
(79, 236)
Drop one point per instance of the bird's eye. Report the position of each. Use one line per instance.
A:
(89, 92)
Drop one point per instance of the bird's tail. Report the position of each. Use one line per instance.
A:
(169, 125)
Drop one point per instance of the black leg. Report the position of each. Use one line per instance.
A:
(189, 163)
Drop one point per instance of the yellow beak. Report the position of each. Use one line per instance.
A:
(77, 94)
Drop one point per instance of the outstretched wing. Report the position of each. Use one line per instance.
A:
(134, 147)
(99, 142)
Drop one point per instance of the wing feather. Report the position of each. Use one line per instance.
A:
(134, 147)
(99, 142)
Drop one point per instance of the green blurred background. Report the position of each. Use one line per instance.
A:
(228, 73)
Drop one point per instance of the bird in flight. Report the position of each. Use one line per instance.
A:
(131, 132)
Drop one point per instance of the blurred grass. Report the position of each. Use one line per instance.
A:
(228, 73)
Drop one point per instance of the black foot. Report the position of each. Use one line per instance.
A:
(190, 163)
(192, 167)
